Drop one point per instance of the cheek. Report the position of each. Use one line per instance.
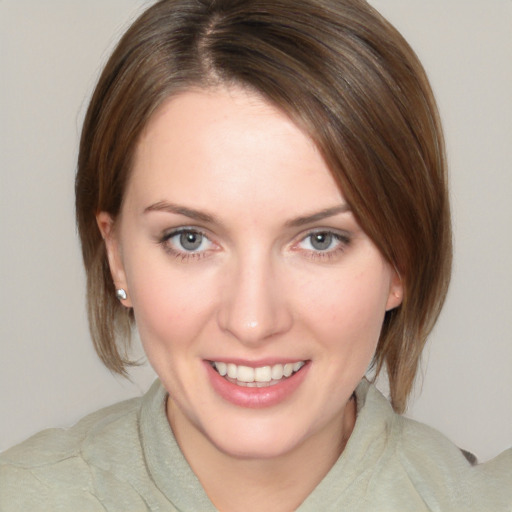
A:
(170, 307)
(347, 310)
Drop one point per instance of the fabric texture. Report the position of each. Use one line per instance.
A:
(125, 458)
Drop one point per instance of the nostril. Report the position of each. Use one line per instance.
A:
(252, 307)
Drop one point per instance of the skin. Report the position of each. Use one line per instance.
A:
(245, 180)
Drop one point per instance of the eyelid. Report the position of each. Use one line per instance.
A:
(343, 237)
(339, 234)
(169, 233)
(183, 254)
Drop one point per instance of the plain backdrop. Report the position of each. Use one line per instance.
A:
(50, 56)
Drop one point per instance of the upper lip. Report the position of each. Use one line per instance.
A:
(257, 363)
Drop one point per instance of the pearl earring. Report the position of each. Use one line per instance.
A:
(121, 294)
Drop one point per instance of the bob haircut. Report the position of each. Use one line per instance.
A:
(343, 75)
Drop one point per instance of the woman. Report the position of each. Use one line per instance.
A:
(261, 189)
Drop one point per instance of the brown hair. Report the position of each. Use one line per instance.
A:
(342, 73)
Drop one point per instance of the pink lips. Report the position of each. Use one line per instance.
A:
(253, 397)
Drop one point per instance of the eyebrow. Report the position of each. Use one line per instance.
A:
(315, 217)
(164, 206)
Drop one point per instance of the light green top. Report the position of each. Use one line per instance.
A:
(125, 458)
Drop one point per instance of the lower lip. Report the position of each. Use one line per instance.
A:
(255, 398)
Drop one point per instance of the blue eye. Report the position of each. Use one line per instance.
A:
(324, 244)
(190, 240)
(321, 241)
(186, 242)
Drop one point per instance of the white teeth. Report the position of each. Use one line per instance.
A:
(277, 372)
(288, 369)
(257, 377)
(245, 374)
(232, 371)
(263, 374)
(298, 366)
(222, 368)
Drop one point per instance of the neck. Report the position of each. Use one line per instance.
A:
(280, 483)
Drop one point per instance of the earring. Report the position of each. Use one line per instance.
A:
(121, 294)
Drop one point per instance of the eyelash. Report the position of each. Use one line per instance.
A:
(184, 254)
(341, 240)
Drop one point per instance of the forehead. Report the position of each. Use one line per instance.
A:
(230, 144)
(225, 118)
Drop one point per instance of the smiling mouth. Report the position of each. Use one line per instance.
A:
(259, 377)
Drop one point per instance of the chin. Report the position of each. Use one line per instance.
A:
(261, 446)
(262, 435)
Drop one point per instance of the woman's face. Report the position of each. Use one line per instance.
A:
(239, 254)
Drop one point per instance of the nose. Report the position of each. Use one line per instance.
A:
(254, 306)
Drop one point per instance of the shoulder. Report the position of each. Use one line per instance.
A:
(440, 470)
(433, 467)
(57, 444)
(35, 473)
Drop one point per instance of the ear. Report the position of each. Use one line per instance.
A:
(396, 291)
(114, 255)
